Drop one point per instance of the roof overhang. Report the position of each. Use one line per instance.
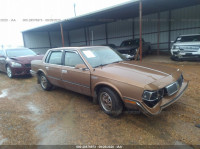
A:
(120, 12)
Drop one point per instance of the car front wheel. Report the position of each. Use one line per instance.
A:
(45, 84)
(110, 102)
(9, 72)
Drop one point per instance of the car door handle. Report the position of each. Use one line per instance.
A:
(47, 68)
(64, 71)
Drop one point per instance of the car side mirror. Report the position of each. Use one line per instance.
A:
(81, 66)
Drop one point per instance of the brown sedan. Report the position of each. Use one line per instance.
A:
(112, 81)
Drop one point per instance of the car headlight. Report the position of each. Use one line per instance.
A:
(151, 98)
(14, 64)
(176, 47)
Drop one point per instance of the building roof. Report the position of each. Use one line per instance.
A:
(119, 12)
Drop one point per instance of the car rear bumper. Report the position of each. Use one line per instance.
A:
(157, 109)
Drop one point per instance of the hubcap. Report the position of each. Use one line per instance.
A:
(43, 81)
(9, 72)
(106, 101)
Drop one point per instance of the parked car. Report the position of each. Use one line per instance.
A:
(17, 61)
(111, 80)
(129, 47)
(113, 46)
(186, 47)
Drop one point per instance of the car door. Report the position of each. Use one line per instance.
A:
(53, 65)
(2, 61)
(77, 80)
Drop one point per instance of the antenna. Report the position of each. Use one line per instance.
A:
(75, 9)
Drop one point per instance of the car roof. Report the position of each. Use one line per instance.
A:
(19, 48)
(132, 39)
(76, 48)
(189, 35)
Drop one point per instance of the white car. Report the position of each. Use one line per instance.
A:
(186, 47)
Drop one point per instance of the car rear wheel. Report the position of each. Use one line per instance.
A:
(45, 84)
(9, 72)
(110, 102)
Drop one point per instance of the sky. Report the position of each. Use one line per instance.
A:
(19, 15)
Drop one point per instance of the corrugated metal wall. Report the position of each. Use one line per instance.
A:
(77, 37)
(119, 31)
(38, 41)
(98, 33)
(185, 21)
(156, 28)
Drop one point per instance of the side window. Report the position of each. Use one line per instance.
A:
(72, 59)
(55, 58)
(2, 53)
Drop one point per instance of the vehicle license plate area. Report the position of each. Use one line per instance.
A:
(188, 53)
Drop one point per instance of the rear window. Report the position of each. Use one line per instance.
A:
(195, 38)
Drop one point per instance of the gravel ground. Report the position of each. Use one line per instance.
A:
(29, 116)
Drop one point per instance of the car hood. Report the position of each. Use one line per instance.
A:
(26, 59)
(149, 76)
(197, 43)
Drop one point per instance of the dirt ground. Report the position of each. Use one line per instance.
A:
(29, 115)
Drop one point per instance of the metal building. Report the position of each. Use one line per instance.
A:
(162, 22)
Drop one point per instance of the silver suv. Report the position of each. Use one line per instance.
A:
(186, 47)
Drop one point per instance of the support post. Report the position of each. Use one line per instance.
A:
(169, 24)
(61, 30)
(68, 36)
(140, 12)
(106, 31)
(133, 29)
(85, 36)
(49, 40)
(88, 35)
(158, 37)
(23, 40)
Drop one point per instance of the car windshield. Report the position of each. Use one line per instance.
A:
(100, 56)
(130, 43)
(19, 52)
(188, 38)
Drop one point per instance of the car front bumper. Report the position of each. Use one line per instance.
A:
(185, 54)
(165, 102)
(20, 71)
(33, 73)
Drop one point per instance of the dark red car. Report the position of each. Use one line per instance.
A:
(17, 61)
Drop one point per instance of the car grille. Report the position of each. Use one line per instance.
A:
(174, 87)
(189, 48)
(28, 65)
(127, 51)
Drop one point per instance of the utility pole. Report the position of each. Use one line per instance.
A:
(140, 24)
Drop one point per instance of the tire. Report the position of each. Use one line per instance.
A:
(45, 84)
(174, 58)
(9, 72)
(110, 102)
